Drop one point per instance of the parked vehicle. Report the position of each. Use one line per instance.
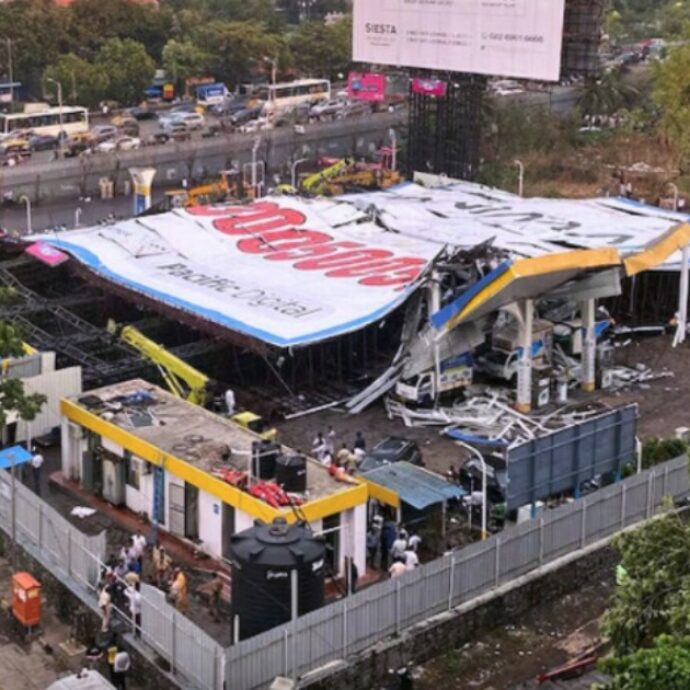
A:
(139, 113)
(256, 126)
(177, 130)
(121, 144)
(104, 132)
(243, 116)
(390, 450)
(43, 142)
(327, 109)
(454, 373)
(192, 120)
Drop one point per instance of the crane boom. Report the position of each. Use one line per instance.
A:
(183, 380)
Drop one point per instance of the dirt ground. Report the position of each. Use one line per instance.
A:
(511, 656)
(664, 406)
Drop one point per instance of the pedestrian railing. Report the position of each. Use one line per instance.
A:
(77, 559)
(348, 627)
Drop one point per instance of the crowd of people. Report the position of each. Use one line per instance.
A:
(391, 547)
(323, 448)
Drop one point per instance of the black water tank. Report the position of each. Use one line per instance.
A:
(264, 456)
(263, 559)
(291, 473)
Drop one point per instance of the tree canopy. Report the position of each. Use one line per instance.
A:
(108, 49)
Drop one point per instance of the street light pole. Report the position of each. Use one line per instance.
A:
(394, 148)
(293, 171)
(274, 68)
(521, 177)
(255, 149)
(482, 462)
(77, 216)
(60, 115)
(25, 199)
(10, 68)
(675, 195)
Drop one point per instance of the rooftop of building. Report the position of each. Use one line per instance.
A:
(187, 431)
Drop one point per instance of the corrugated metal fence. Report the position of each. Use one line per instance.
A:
(77, 558)
(59, 545)
(351, 625)
(188, 649)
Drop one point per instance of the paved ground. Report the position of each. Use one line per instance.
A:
(32, 665)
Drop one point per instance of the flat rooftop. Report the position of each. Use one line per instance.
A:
(187, 431)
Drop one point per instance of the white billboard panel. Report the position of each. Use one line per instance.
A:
(516, 38)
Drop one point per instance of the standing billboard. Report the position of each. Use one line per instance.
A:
(515, 38)
(366, 87)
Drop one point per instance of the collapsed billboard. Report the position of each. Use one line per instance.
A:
(285, 271)
(516, 38)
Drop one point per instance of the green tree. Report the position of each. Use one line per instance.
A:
(88, 82)
(606, 94)
(650, 600)
(665, 666)
(237, 49)
(182, 59)
(39, 31)
(322, 50)
(672, 95)
(127, 67)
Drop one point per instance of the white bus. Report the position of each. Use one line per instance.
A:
(281, 97)
(74, 121)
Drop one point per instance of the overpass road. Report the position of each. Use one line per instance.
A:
(50, 181)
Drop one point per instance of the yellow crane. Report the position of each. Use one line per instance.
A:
(182, 379)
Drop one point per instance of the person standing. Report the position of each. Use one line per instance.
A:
(36, 465)
(399, 546)
(121, 666)
(397, 569)
(161, 564)
(360, 443)
(178, 590)
(318, 446)
(411, 559)
(230, 401)
(105, 604)
(139, 541)
(330, 440)
(372, 546)
(387, 539)
(133, 594)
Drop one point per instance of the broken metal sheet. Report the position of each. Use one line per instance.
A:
(462, 213)
(373, 392)
(422, 355)
(598, 285)
(520, 280)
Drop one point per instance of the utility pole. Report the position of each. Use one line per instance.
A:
(61, 138)
(10, 68)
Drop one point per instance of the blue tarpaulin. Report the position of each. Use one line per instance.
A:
(416, 486)
(15, 455)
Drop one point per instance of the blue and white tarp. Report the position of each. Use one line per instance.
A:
(285, 271)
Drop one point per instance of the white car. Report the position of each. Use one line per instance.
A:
(256, 126)
(121, 144)
(191, 120)
(326, 108)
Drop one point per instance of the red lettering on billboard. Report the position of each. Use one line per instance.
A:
(276, 234)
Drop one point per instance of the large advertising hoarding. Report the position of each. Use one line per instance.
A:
(285, 271)
(516, 38)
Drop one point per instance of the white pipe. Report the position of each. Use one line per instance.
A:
(255, 149)
(521, 177)
(293, 171)
(394, 149)
(683, 298)
(479, 457)
(27, 201)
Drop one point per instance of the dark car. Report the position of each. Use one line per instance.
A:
(43, 142)
(496, 478)
(391, 449)
(241, 117)
(143, 113)
(228, 107)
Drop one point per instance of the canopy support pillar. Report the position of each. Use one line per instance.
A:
(589, 346)
(524, 385)
(683, 298)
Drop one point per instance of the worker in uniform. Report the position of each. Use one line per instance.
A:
(178, 590)
(230, 401)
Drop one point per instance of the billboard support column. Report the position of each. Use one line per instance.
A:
(524, 385)
(589, 345)
(142, 179)
(681, 329)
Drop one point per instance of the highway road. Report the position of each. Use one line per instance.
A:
(58, 180)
